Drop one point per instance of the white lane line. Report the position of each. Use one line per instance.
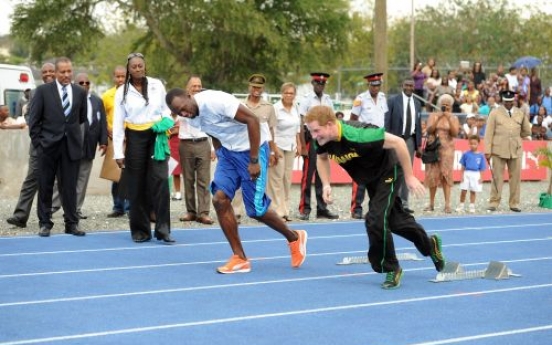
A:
(138, 267)
(273, 315)
(277, 257)
(488, 335)
(224, 286)
(156, 247)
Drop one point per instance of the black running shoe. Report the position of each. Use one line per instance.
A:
(392, 280)
(436, 253)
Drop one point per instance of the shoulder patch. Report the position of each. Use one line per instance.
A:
(357, 102)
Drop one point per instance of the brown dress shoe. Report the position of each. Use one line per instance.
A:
(188, 217)
(205, 220)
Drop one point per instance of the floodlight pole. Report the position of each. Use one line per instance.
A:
(412, 35)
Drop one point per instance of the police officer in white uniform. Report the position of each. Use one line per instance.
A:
(369, 107)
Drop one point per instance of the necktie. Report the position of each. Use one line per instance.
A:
(408, 126)
(65, 101)
(510, 113)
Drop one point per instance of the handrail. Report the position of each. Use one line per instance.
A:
(424, 101)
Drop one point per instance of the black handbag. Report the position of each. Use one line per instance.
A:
(430, 152)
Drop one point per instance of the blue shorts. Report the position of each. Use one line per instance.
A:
(231, 174)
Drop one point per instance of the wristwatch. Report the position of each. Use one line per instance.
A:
(254, 160)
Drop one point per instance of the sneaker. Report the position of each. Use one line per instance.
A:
(298, 249)
(472, 208)
(436, 253)
(235, 265)
(460, 209)
(392, 280)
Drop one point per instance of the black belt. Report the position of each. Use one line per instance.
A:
(195, 140)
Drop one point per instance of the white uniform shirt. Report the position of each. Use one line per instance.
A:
(288, 126)
(412, 114)
(135, 111)
(187, 131)
(311, 99)
(368, 111)
(217, 110)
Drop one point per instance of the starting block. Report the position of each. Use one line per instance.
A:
(353, 260)
(454, 271)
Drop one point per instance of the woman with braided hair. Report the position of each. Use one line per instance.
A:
(141, 120)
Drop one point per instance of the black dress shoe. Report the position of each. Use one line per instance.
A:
(356, 215)
(408, 210)
(326, 214)
(44, 232)
(491, 208)
(303, 216)
(74, 230)
(515, 209)
(164, 237)
(115, 214)
(142, 239)
(82, 216)
(17, 222)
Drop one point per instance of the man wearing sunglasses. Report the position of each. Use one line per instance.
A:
(94, 132)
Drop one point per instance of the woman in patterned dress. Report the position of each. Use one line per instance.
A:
(445, 126)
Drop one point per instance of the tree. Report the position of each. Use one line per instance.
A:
(491, 31)
(223, 40)
(56, 27)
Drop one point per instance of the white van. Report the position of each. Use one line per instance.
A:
(14, 80)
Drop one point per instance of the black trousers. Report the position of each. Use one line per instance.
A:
(309, 169)
(54, 161)
(358, 191)
(148, 186)
(385, 217)
(28, 188)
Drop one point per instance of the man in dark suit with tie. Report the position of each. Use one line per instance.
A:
(94, 132)
(57, 111)
(404, 119)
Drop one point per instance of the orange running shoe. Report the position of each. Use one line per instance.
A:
(235, 265)
(298, 249)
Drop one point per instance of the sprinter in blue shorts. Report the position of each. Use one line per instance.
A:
(241, 145)
(378, 159)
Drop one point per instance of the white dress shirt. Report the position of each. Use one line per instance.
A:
(288, 126)
(135, 111)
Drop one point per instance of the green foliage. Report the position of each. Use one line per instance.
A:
(545, 160)
(226, 41)
(56, 27)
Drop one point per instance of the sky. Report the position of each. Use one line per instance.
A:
(395, 8)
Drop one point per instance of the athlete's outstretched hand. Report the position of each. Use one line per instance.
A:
(415, 186)
(327, 194)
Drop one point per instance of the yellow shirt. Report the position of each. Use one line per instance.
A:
(108, 99)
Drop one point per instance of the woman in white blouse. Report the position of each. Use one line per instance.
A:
(286, 136)
(139, 117)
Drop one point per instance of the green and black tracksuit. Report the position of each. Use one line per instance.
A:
(359, 150)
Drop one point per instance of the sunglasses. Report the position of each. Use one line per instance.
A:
(133, 55)
(84, 83)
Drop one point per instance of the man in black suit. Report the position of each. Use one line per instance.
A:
(57, 111)
(94, 132)
(404, 119)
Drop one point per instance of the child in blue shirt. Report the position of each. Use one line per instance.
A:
(473, 164)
